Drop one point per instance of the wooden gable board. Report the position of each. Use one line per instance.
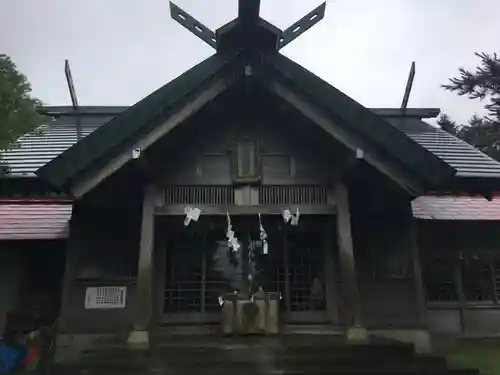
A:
(425, 165)
(95, 153)
(125, 126)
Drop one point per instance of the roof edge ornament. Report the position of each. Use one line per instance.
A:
(248, 26)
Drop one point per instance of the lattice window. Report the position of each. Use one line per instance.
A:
(246, 165)
(477, 279)
(283, 195)
(439, 278)
(306, 265)
(203, 195)
(106, 297)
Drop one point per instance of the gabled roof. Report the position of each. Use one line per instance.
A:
(466, 159)
(381, 136)
(36, 150)
(345, 111)
(397, 141)
(123, 130)
(147, 113)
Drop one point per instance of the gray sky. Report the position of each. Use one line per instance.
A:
(121, 50)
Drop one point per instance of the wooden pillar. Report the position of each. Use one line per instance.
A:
(417, 269)
(330, 271)
(286, 265)
(349, 284)
(459, 288)
(71, 268)
(159, 264)
(144, 293)
(456, 252)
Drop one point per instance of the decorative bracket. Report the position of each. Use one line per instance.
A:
(193, 25)
(302, 25)
(248, 12)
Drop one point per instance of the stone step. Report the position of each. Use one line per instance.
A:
(246, 354)
(250, 356)
(250, 370)
(258, 366)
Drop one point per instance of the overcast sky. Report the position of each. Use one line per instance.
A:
(121, 50)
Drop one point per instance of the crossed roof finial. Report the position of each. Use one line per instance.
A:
(248, 14)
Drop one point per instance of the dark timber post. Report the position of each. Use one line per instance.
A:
(330, 275)
(140, 335)
(417, 269)
(72, 255)
(349, 285)
(457, 254)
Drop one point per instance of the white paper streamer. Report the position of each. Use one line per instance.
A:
(295, 218)
(288, 217)
(232, 241)
(263, 237)
(192, 214)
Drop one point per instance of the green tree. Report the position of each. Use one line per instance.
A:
(482, 84)
(448, 124)
(18, 113)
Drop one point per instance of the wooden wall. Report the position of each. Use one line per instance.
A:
(381, 222)
(445, 238)
(291, 150)
(30, 279)
(103, 251)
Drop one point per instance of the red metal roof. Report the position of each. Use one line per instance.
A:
(34, 220)
(456, 208)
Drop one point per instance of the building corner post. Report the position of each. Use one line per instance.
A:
(139, 337)
(417, 269)
(355, 332)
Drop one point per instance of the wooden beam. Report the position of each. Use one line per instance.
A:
(94, 177)
(456, 251)
(193, 25)
(245, 210)
(159, 271)
(405, 180)
(409, 85)
(248, 10)
(417, 269)
(349, 284)
(72, 255)
(331, 292)
(286, 270)
(145, 266)
(459, 288)
(301, 26)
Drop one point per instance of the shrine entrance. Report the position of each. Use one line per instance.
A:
(200, 267)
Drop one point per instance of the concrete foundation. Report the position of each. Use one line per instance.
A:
(138, 340)
(356, 335)
(420, 338)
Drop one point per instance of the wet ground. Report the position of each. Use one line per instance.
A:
(290, 354)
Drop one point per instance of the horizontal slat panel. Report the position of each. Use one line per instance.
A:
(294, 195)
(467, 160)
(201, 195)
(34, 221)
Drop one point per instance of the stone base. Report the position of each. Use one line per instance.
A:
(356, 335)
(138, 340)
(423, 342)
(420, 338)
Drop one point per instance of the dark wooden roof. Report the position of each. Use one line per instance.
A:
(366, 124)
(35, 150)
(377, 134)
(147, 113)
